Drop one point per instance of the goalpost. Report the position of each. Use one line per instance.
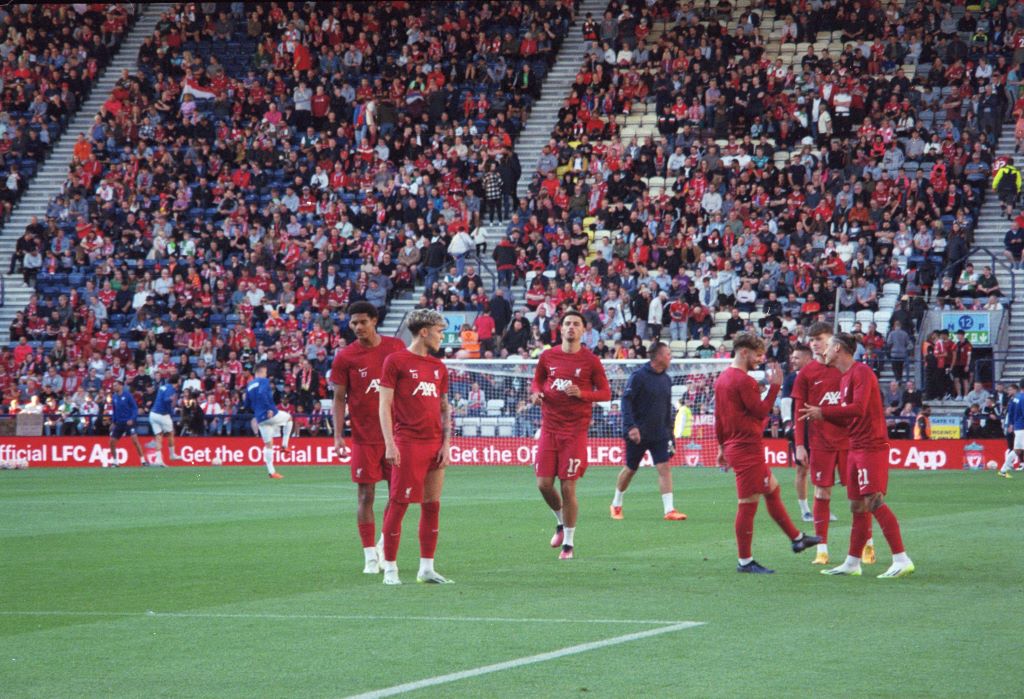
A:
(494, 423)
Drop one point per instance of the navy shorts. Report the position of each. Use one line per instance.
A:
(661, 451)
(121, 429)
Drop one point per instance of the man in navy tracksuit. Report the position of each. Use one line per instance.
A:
(126, 414)
(647, 426)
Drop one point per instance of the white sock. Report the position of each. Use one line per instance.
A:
(369, 553)
(851, 562)
(666, 502)
(569, 531)
(390, 566)
(173, 454)
(617, 498)
(804, 507)
(1008, 462)
(426, 566)
(901, 558)
(558, 517)
(823, 548)
(287, 434)
(869, 542)
(745, 561)
(268, 458)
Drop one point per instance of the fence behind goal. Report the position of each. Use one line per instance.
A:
(495, 424)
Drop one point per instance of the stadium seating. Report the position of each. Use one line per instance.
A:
(47, 73)
(266, 149)
(661, 144)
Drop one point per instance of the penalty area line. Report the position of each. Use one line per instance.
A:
(522, 662)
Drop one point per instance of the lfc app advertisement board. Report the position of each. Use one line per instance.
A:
(35, 452)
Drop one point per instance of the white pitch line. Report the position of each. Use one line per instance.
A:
(339, 617)
(520, 662)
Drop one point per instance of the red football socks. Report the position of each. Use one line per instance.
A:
(859, 533)
(745, 512)
(778, 512)
(821, 515)
(367, 532)
(430, 515)
(393, 529)
(890, 528)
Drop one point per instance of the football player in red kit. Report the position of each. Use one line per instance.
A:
(821, 447)
(740, 416)
(861, 413)
(355, 373)
(567, 381)
(415, 420)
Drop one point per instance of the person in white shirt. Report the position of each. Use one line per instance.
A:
(655, 313)
(711, 202)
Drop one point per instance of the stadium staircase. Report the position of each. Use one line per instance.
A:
(988, 242)
(531, 141)
(51, 176)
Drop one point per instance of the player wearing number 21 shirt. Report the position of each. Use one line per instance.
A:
(415, 421)
(356, 373)
(567, 381)
(740, 415)
(861, 412)
(821, 447)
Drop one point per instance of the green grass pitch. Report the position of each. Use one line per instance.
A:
(223, 583)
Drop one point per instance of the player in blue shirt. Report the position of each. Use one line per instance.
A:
(647, 427)
(126, 414)
(1014, 431)
(259, 397)
(161, 419)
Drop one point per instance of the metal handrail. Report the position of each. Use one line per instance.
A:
(995, 262)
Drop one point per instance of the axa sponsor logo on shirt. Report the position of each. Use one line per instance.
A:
(561, 384)
(426, 389)
(830, 398)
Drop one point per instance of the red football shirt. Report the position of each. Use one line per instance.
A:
(360, 368)
(556, 371)
(860, 409)
(818, 384)
(740, 413)
(419, 383)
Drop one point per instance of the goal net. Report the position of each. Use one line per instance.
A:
(495, 424)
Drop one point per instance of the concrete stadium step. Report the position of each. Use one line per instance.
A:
(534, 136)
(51, 175)
(988, 234)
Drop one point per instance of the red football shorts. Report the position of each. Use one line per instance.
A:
(562, 455)
(867, 472)
(827, 467)
(368, 464)
(416, 460)
(752, 473)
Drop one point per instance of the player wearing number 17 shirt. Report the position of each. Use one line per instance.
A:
(861, 412)
(355, 373)
(740, 415)
(567, 381)
(415, 421)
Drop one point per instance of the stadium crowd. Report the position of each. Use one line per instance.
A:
(49, 58)
(260, 172)
(711, 171)
(712, 168)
